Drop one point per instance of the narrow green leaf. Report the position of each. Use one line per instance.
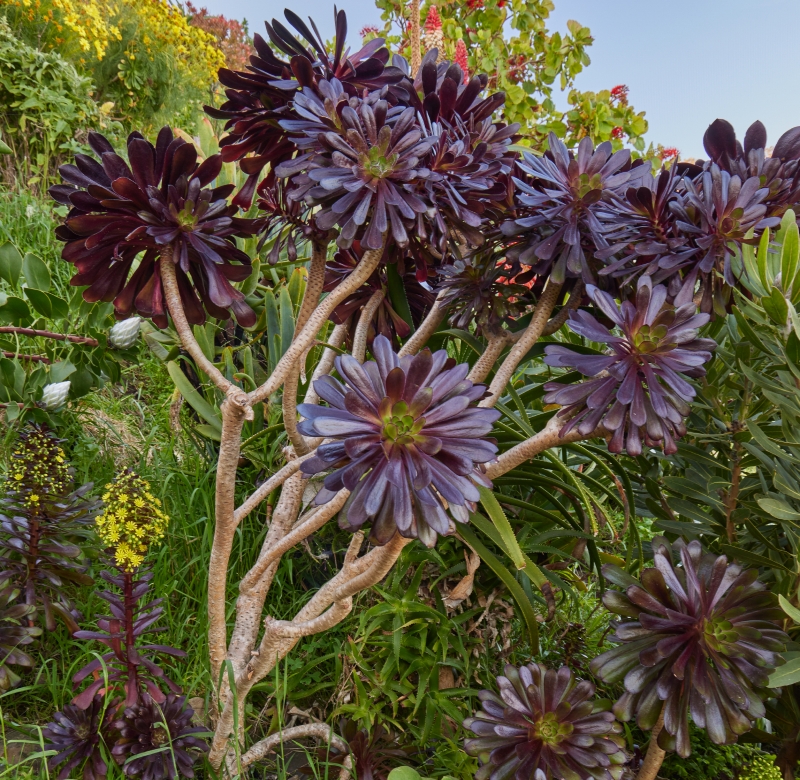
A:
(790, 255)
(287, 320)
(763, 262)
(746, 556)
(776, 306)
(779, 509)
(397, 294)
(524, 604)
(788, 674)
(498, 517)
(193, 398)
(789, 608)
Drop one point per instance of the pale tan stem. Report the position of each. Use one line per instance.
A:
(234, 412)
(486, 362)
(172, 295)
(655, 755)
(532, 333)
(289, 628)
(546, 438)
(575, 298)
(426, 329)
(314, 285)
(359, 275)
(319, 731)
(295, 536)
(265, 488)
(364, 321)
(289, 408)
(325, 365)
(416, 43)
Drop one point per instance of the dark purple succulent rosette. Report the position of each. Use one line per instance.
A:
(259, 97)
(700, 637)
(640, 392)
(356, 156)
(75, 734)
(544, 724)
(562, 230)
(407, 442)
(121, 210)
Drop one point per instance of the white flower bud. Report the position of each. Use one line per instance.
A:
(55, 395)
(125, 333)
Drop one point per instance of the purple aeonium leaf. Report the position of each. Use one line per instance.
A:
(407, 442)
(701, 638)
(639, 391)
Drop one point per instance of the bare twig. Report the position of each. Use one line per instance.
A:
(172, 296)
(21, 356)
(362, 272)
(46, 334)
(364, 321)
(319, 731)
(426, 329)
(325, 365)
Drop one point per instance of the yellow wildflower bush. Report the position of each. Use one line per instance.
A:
(132, 520)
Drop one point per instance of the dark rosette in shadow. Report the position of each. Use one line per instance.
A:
(120, 210)
(387, 320)
(407, 442)
(640, 392)
(482, 289)
(544, 724)
(357, 154)
(562, 231)
(259, 97)
(700, 637)
(16, 631)
(158, 741)
(75, 735)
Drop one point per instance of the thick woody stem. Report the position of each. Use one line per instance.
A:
(172, 296)
(486, 362)
(21, 356)
(316, 280)
(546, 438)
(319, 731)
(655, 755)
(416, 44)
(302, 341)
(364, 321)
(235, 410)
(531, 335)
(425, 330)
(265, 488)
(574, 301)
(46, 334)
(325, 365)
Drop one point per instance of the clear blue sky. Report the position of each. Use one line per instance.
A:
(686, 62)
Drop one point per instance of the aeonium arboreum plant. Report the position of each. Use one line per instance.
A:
(160, 198)
(407, 442)
(700, 637)
(545, 721)
(41, 518)
(640, 392)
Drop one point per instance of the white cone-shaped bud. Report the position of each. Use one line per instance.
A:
(55, 395)
(125, 333)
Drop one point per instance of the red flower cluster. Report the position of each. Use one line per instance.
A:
(620, 93)
(433, 21)
(369, 29)
(474, 5)
(668, 153)
(460, 59)
(231, 36)
(617, 132)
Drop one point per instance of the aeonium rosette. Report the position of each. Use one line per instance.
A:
(640, 391)
(406, 441)
(121, 211)
(700, 636)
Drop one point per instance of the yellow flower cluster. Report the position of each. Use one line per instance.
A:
(164, 25)
(38, 470)
(86, 22)
(131, 521)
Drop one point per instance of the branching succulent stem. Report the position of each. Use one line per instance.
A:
(486, 362)
(364, 322)
(655, 755)
(416, 44)
(425, 330)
